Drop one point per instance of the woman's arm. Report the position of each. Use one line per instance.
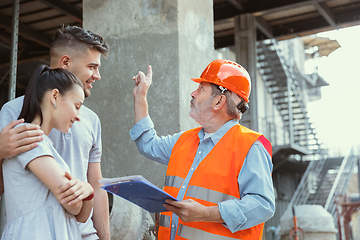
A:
(51, 174)
(78, 191)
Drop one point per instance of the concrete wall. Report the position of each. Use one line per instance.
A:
(176, 38)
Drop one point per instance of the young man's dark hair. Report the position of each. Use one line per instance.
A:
(78, 40)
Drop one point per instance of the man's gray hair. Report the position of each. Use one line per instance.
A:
(232, 109)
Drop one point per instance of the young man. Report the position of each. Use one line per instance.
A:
(78, 51)
(220, 172)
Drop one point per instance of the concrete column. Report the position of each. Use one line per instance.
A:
(245, 50)
(176, 38)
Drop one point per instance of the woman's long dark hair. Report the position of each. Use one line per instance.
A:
(42, 80)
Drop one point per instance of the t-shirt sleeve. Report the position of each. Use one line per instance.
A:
(7, 114)
(42, 150)
(95, 152)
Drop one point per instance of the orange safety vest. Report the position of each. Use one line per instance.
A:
(214, 181)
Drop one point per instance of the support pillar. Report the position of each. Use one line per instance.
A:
(176, 38)
(12, 85)
(14, 49)
(245, 50)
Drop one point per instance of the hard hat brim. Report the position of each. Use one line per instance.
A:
(198, 80)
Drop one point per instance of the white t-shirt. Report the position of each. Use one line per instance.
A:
(32, 210)
(78, 147)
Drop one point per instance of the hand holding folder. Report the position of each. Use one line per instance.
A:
(139, 191)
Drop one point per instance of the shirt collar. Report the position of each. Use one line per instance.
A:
(219, 133)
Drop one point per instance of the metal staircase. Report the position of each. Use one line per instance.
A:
(286, 85)
(308, 184)
(323, 180)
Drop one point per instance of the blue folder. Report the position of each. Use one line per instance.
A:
(139, 191)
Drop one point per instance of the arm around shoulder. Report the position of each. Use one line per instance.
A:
(16, 140)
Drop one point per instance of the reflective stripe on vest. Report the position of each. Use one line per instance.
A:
(173, 181)
(193, 233)
(164, 221)
(207, 194)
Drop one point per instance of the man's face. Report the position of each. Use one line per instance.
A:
(86, 68)
(201, 103)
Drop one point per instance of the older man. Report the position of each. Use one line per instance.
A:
(219, 172)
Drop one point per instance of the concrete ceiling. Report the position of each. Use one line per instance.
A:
(279, 19)
(283, 19)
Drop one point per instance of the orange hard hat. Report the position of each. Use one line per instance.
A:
(229, 75)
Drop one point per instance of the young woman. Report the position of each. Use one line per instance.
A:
(36, 208)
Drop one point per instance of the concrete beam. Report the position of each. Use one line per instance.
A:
(264, 27)
(326, 12)
(237, 4)
(27, 32)
(65, 8)
(25, 60)
(284, 7)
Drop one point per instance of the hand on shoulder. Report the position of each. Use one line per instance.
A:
(15, 140)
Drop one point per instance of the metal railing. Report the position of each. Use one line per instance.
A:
(276, 133)
(341, 182)
(285, 83)
(310, 183)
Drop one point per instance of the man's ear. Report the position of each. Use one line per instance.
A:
(54, 97)
(220, 101)
(65, 61)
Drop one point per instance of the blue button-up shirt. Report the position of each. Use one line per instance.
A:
(257, 203)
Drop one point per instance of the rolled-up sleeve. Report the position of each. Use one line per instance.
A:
(149, 144)
(257, 202)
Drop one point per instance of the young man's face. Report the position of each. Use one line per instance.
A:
(201, 103)
(86, 68)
